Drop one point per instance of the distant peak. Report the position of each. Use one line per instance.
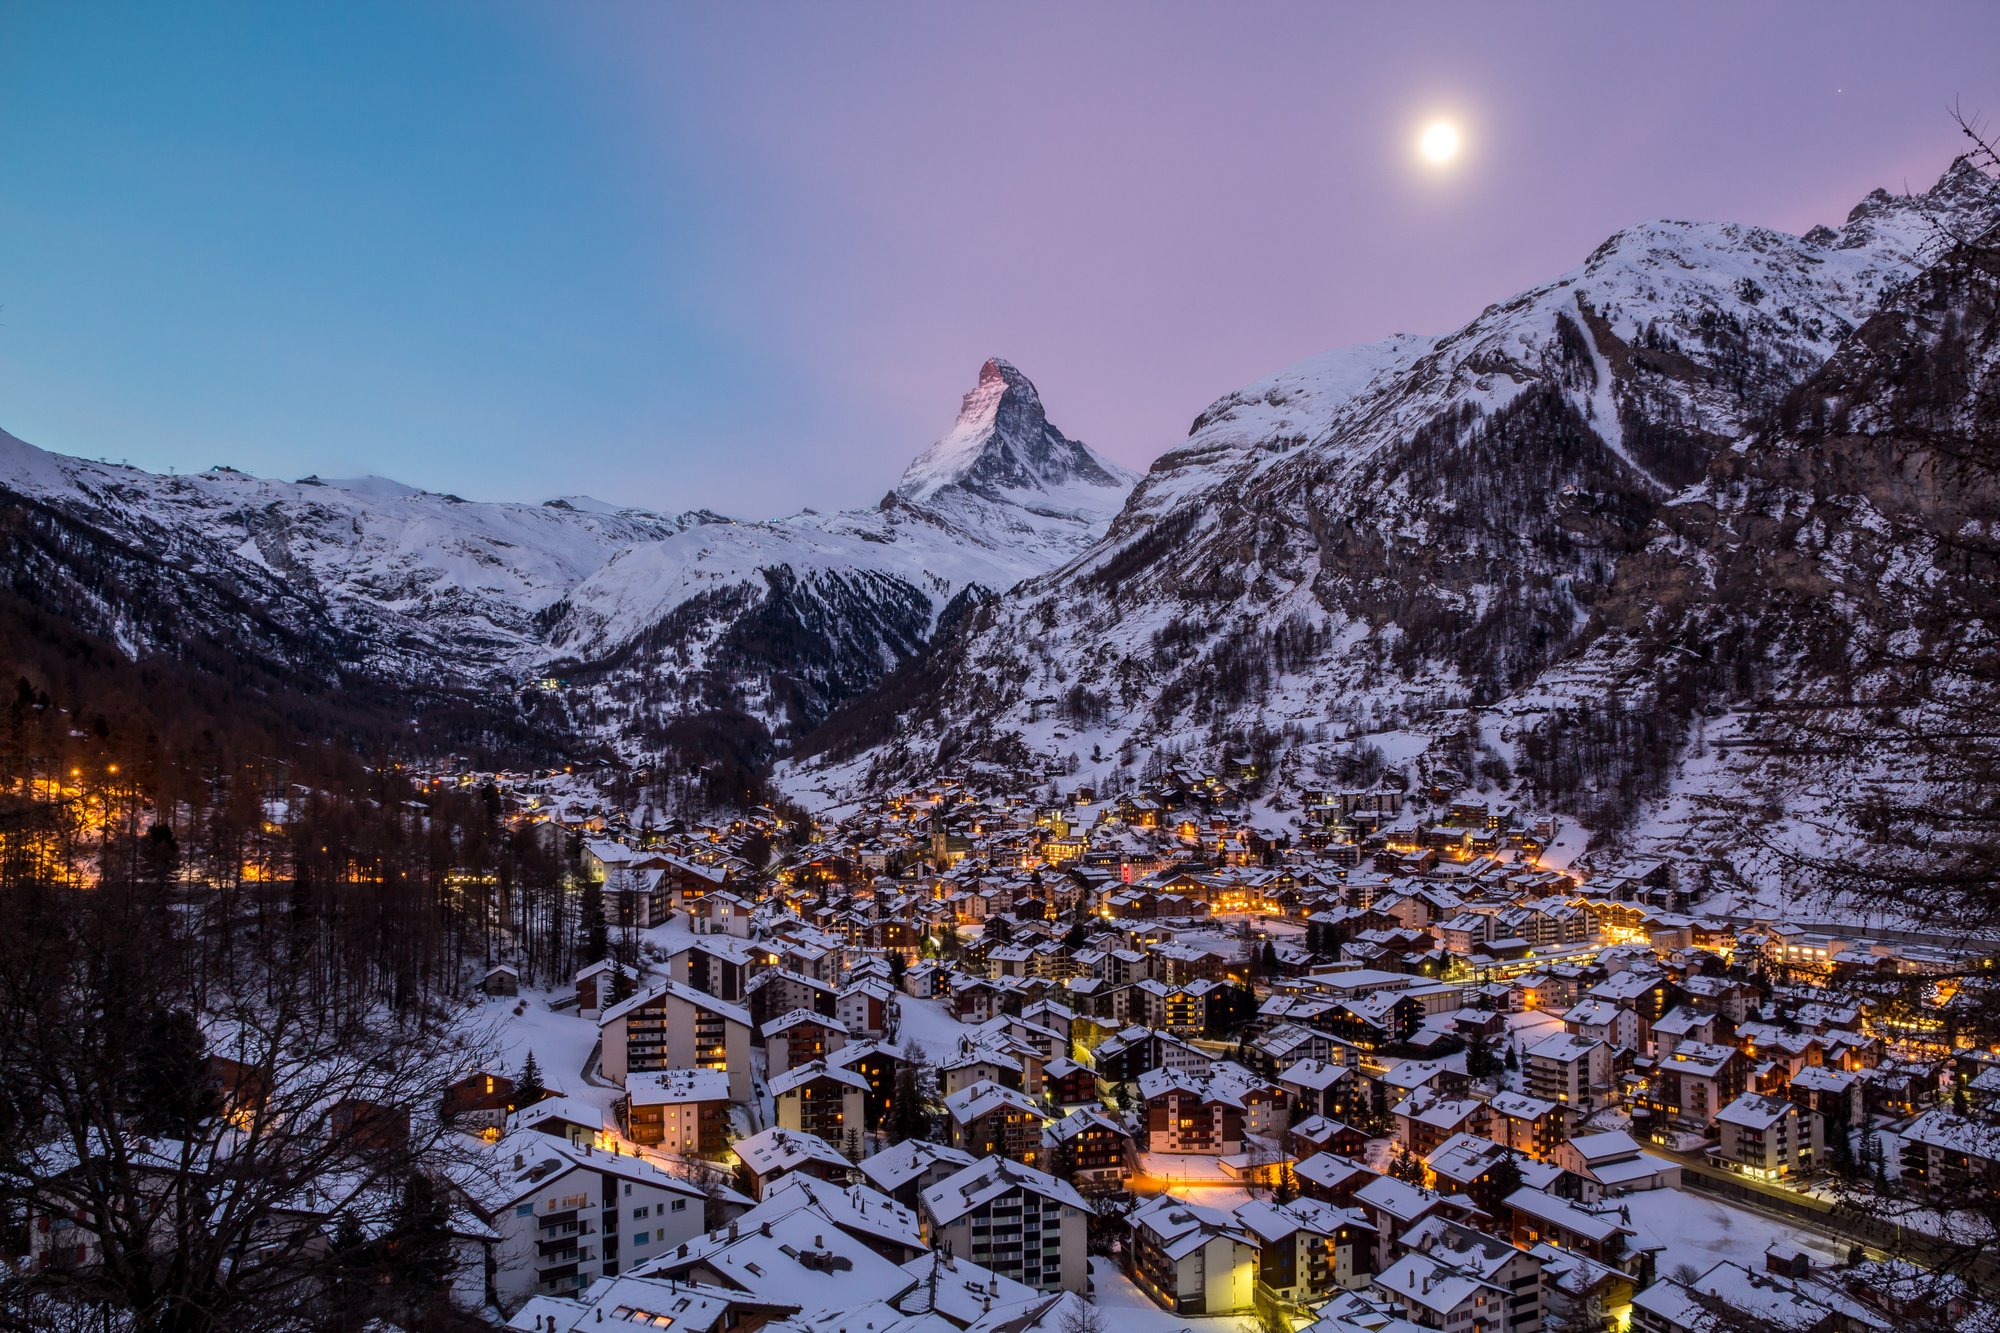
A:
(1002, 447)
(1001, 389)
(1007, 375)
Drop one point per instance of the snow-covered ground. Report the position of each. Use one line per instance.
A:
(563, 1044)
(1699, 1231)
(1126, 1309)
(929, 1023)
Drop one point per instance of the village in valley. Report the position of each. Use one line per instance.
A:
(1062, 1060)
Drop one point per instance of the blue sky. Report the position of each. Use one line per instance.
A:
(748, 256)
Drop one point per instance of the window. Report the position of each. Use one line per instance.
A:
(679, 1205)
(628, 1187)
(525, 1210)
(639, 1238)
(639, 1212)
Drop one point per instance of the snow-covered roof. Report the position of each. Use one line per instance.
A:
(673, 1087)
(993, 1178)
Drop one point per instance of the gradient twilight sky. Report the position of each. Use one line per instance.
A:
(748, 256)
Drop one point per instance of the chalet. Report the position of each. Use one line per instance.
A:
(1612, 1163)
(1393, 1207)
(1126, 1055)
(681, 1112)
(986, 1119)
(1317, 1088)
(1305, 1249)
(1464, 1250)
(778, 991)
(721, 913)
(821, 1099)
(1013, 1220)
(1475, 1167)
(671, 1026)
(1319, 1134)
(1765, 1137)
(599, 986)
(905, 1170)
(800, 1037)
(1191, 1259)
(1951, 1151)
(1596, 1234)
(978, 1064)
(1529, 1125)
(1686, 1023)
(1332, 1179)
(880, 1223)
(721, 965)
(1191, 1114)
(1070, 1084)
(1098, 1150)
(867, 1006)
(478, 1103)
(778, 1151)
(1424, 1120)
(1690, 1086)
(877, 1063)
(1834, 1096)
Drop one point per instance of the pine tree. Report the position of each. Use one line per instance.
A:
(910, 1112)
(529, 1088)
(596, 930)
(419, 1241)
(169, 1078)
(1480, 1062)
(1505, 1177)
(1060, 1161)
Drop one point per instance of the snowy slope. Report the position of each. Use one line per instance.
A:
(795, 614)
(1002, 496)
(439, 582)
(776, 623)
(1373, 542)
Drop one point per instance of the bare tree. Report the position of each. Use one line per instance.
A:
(194, 1149)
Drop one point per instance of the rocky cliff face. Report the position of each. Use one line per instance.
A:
(1392, 548)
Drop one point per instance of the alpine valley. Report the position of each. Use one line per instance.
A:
(1600, 549)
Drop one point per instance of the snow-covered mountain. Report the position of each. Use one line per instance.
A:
(427, 584)
(1378, 553)
(1003, 496)
(417, 587)
(773, 624)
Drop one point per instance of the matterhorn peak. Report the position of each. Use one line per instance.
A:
(1002, 445)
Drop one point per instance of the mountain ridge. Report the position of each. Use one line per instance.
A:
(778, 620)
(1379, 552)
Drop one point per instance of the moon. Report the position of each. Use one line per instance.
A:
(1439, 141)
